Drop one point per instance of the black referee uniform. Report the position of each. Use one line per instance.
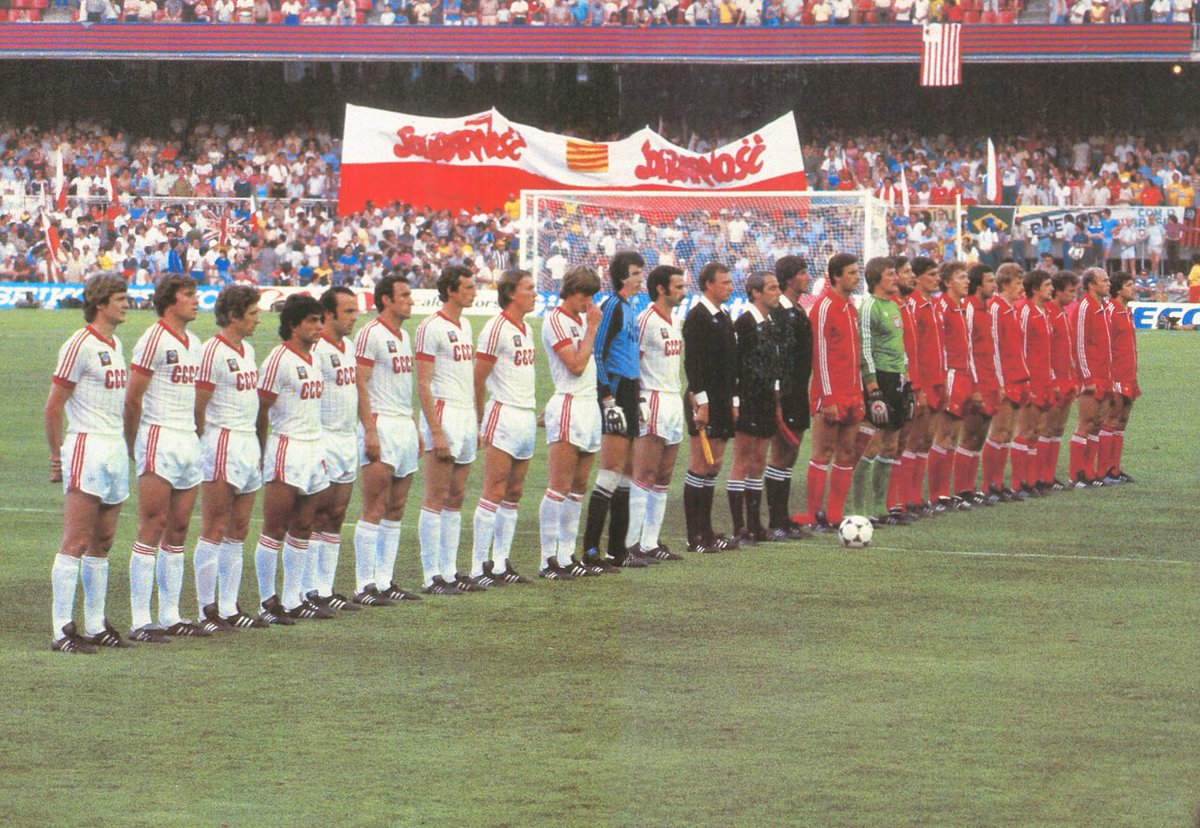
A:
(757, 374)
(793, 332)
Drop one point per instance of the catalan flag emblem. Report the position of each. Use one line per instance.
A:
(584, 156)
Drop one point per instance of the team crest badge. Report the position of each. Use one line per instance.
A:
(301, 372)
(172, 357)
(232, 365)
(391, 346)
(665, 333)
(453, 336)
(105, 359)
(333, 359)
(574, 331)
(516, 340)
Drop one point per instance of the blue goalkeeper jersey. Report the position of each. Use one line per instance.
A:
(617, 348)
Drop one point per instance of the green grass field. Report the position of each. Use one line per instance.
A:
(1030, 664)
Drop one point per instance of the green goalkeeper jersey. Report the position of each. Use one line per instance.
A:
(881, 328)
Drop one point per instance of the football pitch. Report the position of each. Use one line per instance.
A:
(1027, 664)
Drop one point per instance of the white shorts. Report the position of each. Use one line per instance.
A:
(96, 464)
(231, 457)
(575, 420)
(170, 453)
(512, 430)
(397, 444)
(298, 463)
(460, 428)
(341, 456)
(666, 417)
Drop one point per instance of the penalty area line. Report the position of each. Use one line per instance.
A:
(966, 553)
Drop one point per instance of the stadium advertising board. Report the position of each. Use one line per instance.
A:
(485, 160)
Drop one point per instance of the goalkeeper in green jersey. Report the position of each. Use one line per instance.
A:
(888, 394)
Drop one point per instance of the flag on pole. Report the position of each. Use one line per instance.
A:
(114, 201)
(941, 55)
(991, 187)
(53, 245)
(905, 198)
(60, 185)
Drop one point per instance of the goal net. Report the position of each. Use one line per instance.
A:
(747, 231)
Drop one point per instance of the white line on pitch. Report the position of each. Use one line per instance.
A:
(31, 510)
(965, 553)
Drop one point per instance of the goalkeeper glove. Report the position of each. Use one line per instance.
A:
(614, 417)
(877, 408)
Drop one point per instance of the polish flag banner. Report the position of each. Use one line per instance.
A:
(482, 160)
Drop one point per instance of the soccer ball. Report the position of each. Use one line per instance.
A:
(855, 532)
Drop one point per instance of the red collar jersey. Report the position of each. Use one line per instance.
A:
(1092, 342)
(1008, 343)
(983, 352)
(910, 337)
(929, 366)
(1037, 342)
(1124, 345)
(836, 378)
(955, 336)
(1060, 343)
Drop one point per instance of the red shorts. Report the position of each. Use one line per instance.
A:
(851, 408)
(935, 397)
(1068, 390)
(1042, 395)
(1017, 393)
(1102, 389)
(991, 398)
(959, 388)
(1128, 390)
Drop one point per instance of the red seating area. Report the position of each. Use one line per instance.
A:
(24, 11)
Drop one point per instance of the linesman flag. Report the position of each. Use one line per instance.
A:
(941, 55)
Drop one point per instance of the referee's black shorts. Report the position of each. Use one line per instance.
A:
(626, 398)
(795, 413)
(897, 393)
(756, 417)
(720, 419)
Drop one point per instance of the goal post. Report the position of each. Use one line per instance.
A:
(747, 231)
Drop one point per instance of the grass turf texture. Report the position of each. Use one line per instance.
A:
(939, 677)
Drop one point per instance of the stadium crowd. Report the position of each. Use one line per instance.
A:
(222, 203)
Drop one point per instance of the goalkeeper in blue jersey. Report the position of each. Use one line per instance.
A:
(617, 387)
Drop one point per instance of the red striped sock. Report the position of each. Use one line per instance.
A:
(816, 487)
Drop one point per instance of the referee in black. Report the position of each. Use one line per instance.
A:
(710, 362)
(794, 331)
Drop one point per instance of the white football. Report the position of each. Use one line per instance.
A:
(855, 532)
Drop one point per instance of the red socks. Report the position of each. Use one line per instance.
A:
(939, 473)
(839, 487)
(966, 465)
(816, 487)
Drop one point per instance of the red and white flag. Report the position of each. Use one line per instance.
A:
(991, 185)
(60, 185)
(941, 54)
(114, 206)
(53, 246)
(905, 198)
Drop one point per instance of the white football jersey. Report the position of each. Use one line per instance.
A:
(660, 351)
(291, 381)
(559, 330)
(449, 345)
(339, 399)
(94, 369)
(510, 346)
(172, 363)
(231, 374)
(389, 354)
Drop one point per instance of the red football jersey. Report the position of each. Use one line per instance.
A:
(1007, 342)
(983, 352)
(1037, 343)
(929, 365)
(1092, 342)
(835, 378)
(1124, 345)
(1060, 343)
(956, 339)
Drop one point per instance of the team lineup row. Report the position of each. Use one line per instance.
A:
(325, 410)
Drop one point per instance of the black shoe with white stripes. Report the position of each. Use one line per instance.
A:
(485, 579)
(337, 601)
(553, 572)
(580, 571)
(438, 586)
(150, 634)
(308, 611)
(188, 629)
(240, 621)
(211, 620)
(508, 576)
(107, 637)
(370, 596)
(395, 593)
(593, 559)
(465, 583)
(71, 642)
(274, 613)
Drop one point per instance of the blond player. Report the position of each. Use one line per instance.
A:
(387, 442)
(572, 419)
(445, 355)
(230, 458)
(504, 369)
(89, 388)
(660, 348)
(160, 432)
(289, 389)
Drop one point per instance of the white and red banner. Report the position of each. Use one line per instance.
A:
(481, 160)
(941, 54)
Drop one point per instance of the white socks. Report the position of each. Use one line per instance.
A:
(141, 584)
(93, 572)
(639, 496)
(550, 518)
(429, 534)
(295, 561)
(266, 559)
(229, 575)
(366, 544)
(170, 583)
(204, 565)
(506, 528)
(451, 530)
(656, 510)
(327, 560)
(64, 575)
(485, 531)
(388, 546)
(568, 528)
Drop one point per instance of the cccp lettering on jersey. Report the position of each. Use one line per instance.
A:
(246, 380)
(402, 365)
(183, 375)
(464, 352)
(115, 378)
(312, 390)
(523, 356)
(673, 347)
(345, 376)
